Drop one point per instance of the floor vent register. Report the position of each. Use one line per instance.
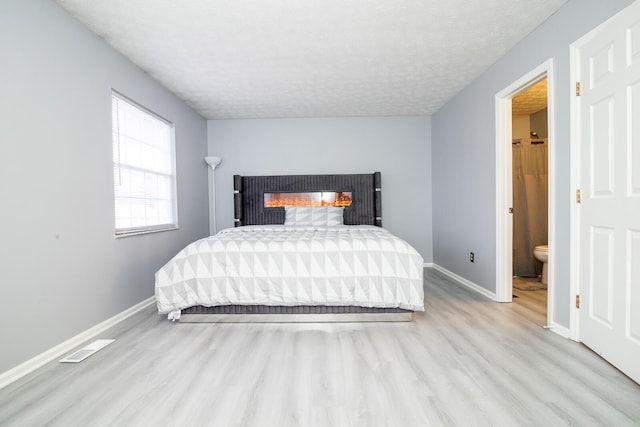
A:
(83, 353)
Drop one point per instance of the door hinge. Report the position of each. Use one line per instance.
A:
(577, 301)
(578, 196)
(510, 210)
(578, 89)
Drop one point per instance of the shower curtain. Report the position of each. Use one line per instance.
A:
(530, 206)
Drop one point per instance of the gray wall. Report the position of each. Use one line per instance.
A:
(62, 269)
(463, 138)
(399, 147)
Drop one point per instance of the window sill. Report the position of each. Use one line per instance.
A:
(140, 232)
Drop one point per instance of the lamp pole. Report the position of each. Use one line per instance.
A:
(213, 162)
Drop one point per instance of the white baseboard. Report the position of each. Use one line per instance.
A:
(38, 361)
(428, 265)
(467, 283)
(560, 330)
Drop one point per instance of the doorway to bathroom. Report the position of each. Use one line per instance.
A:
(530, 184)
(525, 193)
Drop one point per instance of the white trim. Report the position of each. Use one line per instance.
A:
(504, 198)
(469, 284)
(150, 231)
(504, 186)
(551, 214)
(53, 353)
(560, 330)
(428, 265)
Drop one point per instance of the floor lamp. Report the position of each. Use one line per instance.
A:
(212, 161)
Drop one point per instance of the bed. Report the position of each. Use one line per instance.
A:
(293, 259)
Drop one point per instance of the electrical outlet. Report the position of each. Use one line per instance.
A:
(472, 256)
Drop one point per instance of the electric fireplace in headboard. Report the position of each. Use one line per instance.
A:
(260, 200)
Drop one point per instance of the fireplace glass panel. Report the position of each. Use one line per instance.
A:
(318, 198)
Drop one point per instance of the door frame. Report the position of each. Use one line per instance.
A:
(504, 187)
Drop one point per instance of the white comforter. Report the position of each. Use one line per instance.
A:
(282, 265)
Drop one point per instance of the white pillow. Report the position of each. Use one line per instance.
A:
(315, 216)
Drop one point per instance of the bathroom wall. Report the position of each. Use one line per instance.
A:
(522, 125)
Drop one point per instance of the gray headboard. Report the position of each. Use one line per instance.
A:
(249, 196)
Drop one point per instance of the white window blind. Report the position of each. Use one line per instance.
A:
(143, 169)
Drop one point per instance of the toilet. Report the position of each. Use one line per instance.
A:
(542, 254)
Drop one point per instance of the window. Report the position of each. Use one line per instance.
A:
(144, 168)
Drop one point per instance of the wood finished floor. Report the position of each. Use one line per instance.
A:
(532, 304)
(466, 361)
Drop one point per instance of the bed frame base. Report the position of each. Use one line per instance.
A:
(297, 318)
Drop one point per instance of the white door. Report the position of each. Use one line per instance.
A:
(609, 256)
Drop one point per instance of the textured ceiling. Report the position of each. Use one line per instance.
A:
(531, 100)
(310, 58)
